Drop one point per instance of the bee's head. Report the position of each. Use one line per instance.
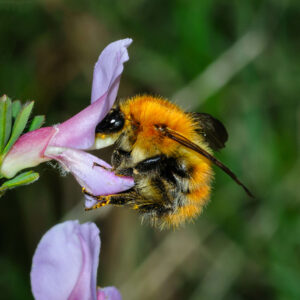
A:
(110, 128)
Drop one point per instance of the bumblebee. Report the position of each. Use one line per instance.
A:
(168, 152)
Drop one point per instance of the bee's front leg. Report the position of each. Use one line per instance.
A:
(126, 198)
(121, 173)
(98, 165)
(100, 200)
(133, 200)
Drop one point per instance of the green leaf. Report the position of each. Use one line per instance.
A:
(22, 179)
(16, 107)
(37, 122)
(19, 125)
(5, 120)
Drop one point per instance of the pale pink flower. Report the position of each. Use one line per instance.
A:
(65, 142)
(64, 266)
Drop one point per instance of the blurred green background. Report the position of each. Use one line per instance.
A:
(237, 60)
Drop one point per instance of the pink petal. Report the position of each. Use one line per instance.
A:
(65, 263)
(28, 151)
(79, 131)
(108, 70)
(96, 180)
(108, 293)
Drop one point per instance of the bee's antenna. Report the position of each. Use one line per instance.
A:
(187, 143)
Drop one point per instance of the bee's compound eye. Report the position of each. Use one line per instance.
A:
(113, 122)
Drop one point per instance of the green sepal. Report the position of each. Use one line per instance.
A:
(5, 120)
(22, 179)
(37, 122)
(19, 125)
(16, 107)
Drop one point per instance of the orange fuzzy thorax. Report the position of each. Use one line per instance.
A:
(148, 111)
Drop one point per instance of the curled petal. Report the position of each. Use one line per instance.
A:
(84, 166)
(79, 131)
(108, 70)
(28, 151)
(65, 263)
(108, 293)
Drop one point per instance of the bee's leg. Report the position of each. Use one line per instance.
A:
(133, 200)
(87, 193)
(158, 209)
(136, 201)
(98, 165)
(125, 198)
(124, 173)
(127, 172)
(120, 157)
(143, 167)
(100, 201)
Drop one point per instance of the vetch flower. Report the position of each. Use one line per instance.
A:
(65, 142)
(65, 264)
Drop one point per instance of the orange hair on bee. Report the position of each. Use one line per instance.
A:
(148, 111)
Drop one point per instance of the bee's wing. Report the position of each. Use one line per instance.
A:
(174, 135)
(213, 131)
